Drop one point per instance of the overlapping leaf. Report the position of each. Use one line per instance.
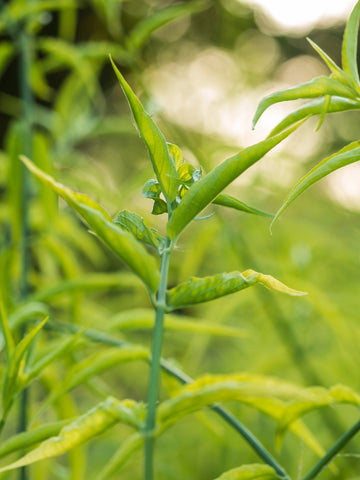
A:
(198, 290)
(95, 422)
(118, 240)
(161, 159)
(203, 192)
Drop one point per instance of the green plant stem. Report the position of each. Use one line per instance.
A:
(333, 451)
(155, 367)
(183, 378)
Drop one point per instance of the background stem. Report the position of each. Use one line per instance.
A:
(155, 367)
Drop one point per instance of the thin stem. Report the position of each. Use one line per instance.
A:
(333, 451)
(183, 378)
(155, 367)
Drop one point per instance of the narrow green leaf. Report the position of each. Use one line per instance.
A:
(231, 202)
(336, 71)
(161, 159)
(144, 319)
(203, 192)
(198, 290)
(314, 398)
(345, 156)
(316, 107)
(7, 51)
(93, 423)
(349, 47)
(317, 87)
(134, 224)
(8, 338)
(142, 31)
(254, 471)
(118, 240)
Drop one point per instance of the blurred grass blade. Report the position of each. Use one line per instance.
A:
(317, 87)
(95, 422)
(8, 337)
(315, 107)
(349, 47)
(142, 31)
(7, 50)
(161, 159)
(198, 290)
(203, 192)
(254, 471)
(231, 202)
(144, 319)
(134, 224)
(118, 240)
(345, 156)
(15, 368)
(314, 398)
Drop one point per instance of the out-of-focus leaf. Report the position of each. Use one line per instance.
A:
(93, 365)
(316, 107)
(15, 368)
(7, 50)
(100, 50)
(317, 87)
(231, 202)
(162, 162)
(255, 471)
(345, 156)
(144, 319)
(95, 422)
(134, 224)
(8, 337)
(349, 47)
(118, 240)
(203, 192)
(120, 457)
(198, 290)
(142, 31)
(313, 398)
(31, 437)
(90, 282)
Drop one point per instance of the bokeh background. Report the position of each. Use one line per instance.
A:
(201, 76)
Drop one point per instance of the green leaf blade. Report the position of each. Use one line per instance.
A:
(161, 159)
(349, 47)
(203, 192)
(345, 156)
(250, 472)
(118, 240)
(231, 202)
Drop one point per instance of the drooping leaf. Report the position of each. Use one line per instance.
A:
(162, 162)
(134, 224)
(231, 202)
(142, 31)
(349, 47)
(254, 471)
(317, 87)
(93, 423)
(118, 240)
(144, 319)
(316, 107)
(345, 156)
(198, 290)
(203, 192)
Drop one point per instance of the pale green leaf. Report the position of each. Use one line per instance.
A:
(349, 47)
(142, 31)
(345, 156)
(316, 107)
(198, 290)
(254, 471)
(203, 192)
(134, 224)
(161, 159)
(176, 153)
(118, 240)
(317, 87)
(93, 423)
(231, 202)
(144, 319)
